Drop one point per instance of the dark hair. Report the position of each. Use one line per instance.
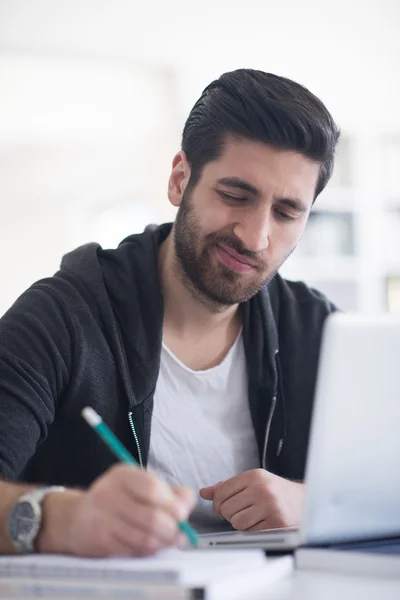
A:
(262, 107)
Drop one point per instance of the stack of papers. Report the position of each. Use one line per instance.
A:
(179, 574)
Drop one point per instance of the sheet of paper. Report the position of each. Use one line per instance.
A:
(170, 566)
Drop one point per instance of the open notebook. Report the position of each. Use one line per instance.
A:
(174, 573)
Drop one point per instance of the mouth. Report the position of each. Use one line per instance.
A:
(233, 260)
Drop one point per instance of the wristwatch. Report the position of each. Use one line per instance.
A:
(25, 518)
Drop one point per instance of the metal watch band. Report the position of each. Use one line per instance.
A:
(39, 494)
(35, 498)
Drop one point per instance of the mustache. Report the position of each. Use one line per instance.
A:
(237, 245)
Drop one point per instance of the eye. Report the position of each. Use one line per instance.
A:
(230, 198)
(284, 216)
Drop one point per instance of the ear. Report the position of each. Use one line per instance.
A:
(179, 178)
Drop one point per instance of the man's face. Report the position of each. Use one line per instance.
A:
(242, 219)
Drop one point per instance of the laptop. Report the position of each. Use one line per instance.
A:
(353, 464)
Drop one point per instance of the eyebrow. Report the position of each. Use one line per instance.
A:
(241, 184)
(296, 205)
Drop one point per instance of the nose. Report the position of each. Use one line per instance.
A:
(254, 229)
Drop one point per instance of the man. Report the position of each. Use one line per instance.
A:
(198, 356)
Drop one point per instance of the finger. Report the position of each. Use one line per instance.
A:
(152, 521)
(227, 490)
(236, 503)
(273, 520)
(245, 519)
(135, 541)
(147, 488)
(207, 493)
(186, 495)
(115, 538)
(117, 547)
(264, 524)
(110, 547)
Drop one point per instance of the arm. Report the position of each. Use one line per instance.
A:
(126, 511)
(35, 362)
(35, 367)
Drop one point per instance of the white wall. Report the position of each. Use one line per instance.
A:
(345, 51)
(93, 96)
(77, 138)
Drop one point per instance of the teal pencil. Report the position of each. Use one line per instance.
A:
(96, 422)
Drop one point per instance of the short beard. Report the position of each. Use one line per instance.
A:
(194, 263)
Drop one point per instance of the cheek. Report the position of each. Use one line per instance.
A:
(285, 237)
(218, 218)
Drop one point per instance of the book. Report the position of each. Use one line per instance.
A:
(178, 574)
(376, 559)
(55, 588)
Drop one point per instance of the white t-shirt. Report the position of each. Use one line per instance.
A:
(201, 430)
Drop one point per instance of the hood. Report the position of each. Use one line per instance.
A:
(122, 286)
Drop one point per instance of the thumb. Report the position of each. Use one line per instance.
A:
(207, 493)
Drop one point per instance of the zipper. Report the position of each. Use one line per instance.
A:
(131, 423)
(271, 414)
(280, 444)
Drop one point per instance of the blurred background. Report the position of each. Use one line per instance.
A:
(94, 95)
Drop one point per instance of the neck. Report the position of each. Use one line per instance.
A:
(186, 310)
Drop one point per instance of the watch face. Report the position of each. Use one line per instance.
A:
(23, 521)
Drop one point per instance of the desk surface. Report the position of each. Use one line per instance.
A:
(317, 585)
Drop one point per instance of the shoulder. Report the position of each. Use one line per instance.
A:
(297, 296)
(299, 310)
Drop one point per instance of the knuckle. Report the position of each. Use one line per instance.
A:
(260, 473)
(103, 495)
(219, 492)
(260, 478)
(151, 477)
(153, 521)
(116, 472)
(152, 489)
(223, 510)
(190, 498)
(109, 484)
(217, 505)
(147, 544)
(182, 511)
(237, 522)
(102, 540)
(117, 477)
(187, 497)
(161, 526)
(217, 500)
(177, 511)
(281, 520)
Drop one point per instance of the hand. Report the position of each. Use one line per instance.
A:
(257, 500)
(126, 512)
